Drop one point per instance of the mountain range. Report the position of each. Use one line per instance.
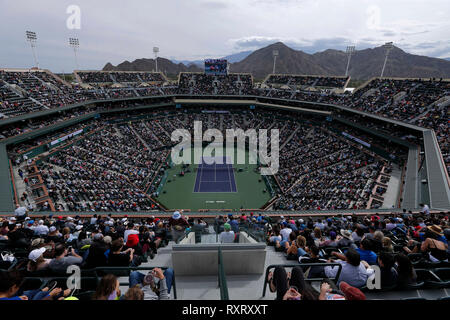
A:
(365, 64)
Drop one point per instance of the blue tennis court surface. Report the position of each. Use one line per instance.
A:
(215, 177)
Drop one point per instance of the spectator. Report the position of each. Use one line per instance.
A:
(37, 262)
(354, 271)
(62, 261)
(156, 284)
(365, 253)
(388, 273)
(108, 288)
(405, 270)
(119, 258)
(227, 236)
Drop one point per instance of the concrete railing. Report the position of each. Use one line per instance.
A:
(202, 259)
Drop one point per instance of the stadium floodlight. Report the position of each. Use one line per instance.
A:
(388, 46)
(350, 50)
(275, 55)
(75, 44)
(156, 51)
(32, 38)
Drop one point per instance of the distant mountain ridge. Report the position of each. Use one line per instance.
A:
(364, 64)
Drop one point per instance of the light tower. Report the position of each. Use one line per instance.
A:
(156, 51)
(350, 50)
(388, 46)
(75, 44)
(275, 55)
(32, 38)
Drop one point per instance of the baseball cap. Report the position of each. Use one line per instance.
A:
(351, 293)
(79, 227)
(227, 226)
(52, 229)
(301, 220)
(35, 254)
(132, 241)
(176, 215)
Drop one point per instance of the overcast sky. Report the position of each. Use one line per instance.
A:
(118, 30)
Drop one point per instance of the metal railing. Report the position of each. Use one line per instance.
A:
(222, 279)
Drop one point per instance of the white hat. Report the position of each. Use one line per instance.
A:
(12, 219)
(27, 218)
(281, 217)
(41, 221)
(79, 227)
(301, 220)
(124, 219)
(35, 254)
(69, 218)
(52, 229)
(176, 215)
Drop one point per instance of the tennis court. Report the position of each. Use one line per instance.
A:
(215, 177)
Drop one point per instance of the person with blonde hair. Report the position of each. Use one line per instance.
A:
(387, 244)
(134, 293)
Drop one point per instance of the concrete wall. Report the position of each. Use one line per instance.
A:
(202, 259)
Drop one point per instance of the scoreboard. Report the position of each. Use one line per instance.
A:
(216, 67)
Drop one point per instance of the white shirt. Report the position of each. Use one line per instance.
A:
(127, 233)
(426, 209)
(285, 233)
(226, 237)
(41, 229)
(20, 211)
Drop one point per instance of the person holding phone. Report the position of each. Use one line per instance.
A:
(156, 284)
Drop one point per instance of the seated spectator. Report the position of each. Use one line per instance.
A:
(388, 273)
(351, 293)
(108, 288)
(11, 281)
(134, 293)
(274, 236)
(331, 242)
(41, 229)
(37, 262)
(156, 284)
(313, 257)
(178, 224)
(405, 270)
(119, 258)
(346, 240)
(227, 236)
(295, 288)
(326, 292)
(62, 261)
(97, 256)
(354, 271)
(365, 253)
(130, 230)
(387, 245)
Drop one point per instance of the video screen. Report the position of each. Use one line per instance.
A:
(216, 67)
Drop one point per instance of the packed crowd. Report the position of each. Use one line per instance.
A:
(396, 243)
(310, 81)
(93, 77)
(44, 247)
